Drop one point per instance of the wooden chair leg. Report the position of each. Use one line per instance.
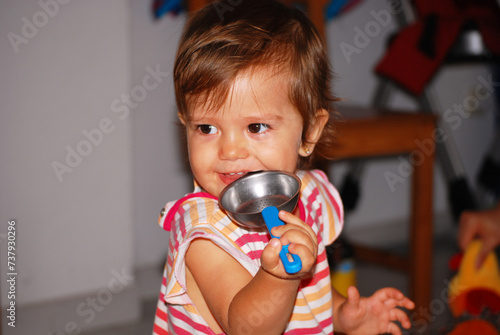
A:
(421, 229)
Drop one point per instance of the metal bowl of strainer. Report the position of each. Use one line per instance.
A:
(255, 200)
(244, 199)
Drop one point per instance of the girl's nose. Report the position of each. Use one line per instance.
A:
(233, 147)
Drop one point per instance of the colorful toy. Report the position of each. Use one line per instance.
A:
(163, 7)
(474, 294)
(342, 266)
(338, 7)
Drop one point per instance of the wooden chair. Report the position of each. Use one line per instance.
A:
(369, 132)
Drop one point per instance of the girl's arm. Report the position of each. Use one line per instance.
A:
(263, 304)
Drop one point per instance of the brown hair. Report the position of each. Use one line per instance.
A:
(228, 37)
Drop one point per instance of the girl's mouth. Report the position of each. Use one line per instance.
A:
(228, 178)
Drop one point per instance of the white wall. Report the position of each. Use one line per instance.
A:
(73, 232)
(160, 170)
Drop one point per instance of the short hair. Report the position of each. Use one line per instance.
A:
(226, 38)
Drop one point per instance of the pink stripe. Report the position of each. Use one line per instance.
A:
(170, 262)
(170, 247)
(322, 175)
(158, 330)
(330, 196)
(336, 206)
(161, 314)
(319, 275)
(319, 213)
(178, 203)
(162, 298)
(198, 327)
(252, 238)
(182, 225)
(326, 324)
(179, 330)
(307, 331)
(311, 199)
(255, 254)
(302, 212)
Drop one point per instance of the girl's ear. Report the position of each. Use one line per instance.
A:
(181, 118)
(314, 133)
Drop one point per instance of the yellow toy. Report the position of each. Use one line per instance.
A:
(474, 294)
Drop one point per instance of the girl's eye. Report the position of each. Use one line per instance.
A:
(256, 128)
(207, 129)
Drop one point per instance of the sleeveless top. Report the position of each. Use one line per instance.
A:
(198, 215)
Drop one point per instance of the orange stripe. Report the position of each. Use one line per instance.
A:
(311, 315)
(311, 298)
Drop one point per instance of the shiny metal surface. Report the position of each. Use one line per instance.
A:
(244, 199)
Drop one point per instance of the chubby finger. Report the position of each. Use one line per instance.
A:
(399, 315)
(404, 302)
(392, 328)
(269, 259)
(467, 229)
(393, 297)
(389, 293)
(294, 223)
(306, 255)
(299, 242)
(353, 296)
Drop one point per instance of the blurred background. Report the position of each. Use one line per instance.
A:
(90, 152)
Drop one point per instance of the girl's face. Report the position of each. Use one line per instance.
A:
(256, 128)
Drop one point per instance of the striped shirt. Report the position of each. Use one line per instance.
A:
(199, 216)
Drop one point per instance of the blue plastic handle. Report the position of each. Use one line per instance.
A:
(291, 262)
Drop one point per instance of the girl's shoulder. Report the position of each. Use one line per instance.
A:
(192, 209)
(316, 182)
(321, 204)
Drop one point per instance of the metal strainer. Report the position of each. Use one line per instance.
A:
(254, 201)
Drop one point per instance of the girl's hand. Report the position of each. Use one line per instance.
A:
(302, 242)
(373, 315)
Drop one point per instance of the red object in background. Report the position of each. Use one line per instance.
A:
(478, 299)
(474, 327)
(455, 260)
(419, 50)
